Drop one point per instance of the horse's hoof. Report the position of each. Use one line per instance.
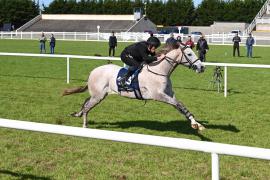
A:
(75, 114)
(198, 127)
(194, 126)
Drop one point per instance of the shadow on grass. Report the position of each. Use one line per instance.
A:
(23, 176)
(210, 89)
(41, 77)
(256, 57)
(176, 126)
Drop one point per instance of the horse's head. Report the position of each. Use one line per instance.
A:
(188, 58)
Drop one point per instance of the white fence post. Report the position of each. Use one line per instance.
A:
(68, 70)
(215, 166)
(225, 81)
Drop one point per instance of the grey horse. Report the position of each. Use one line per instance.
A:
(154, 81)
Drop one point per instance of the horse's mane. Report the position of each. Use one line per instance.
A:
(164, 50)
(167, 48)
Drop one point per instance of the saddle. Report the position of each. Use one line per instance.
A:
(132, 84)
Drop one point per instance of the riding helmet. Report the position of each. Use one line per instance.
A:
(153, 41)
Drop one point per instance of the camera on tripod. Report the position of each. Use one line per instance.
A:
(217, 77)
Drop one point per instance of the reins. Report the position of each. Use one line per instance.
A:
(173, 62)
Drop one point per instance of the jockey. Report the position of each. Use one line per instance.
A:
(137, 54)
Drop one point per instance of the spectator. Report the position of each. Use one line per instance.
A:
(112, 45)
(171, 40)
(249, 44)
(52, 43)
(202, 48)
(179, 39)
(151, 34)
(236, 40)
(42, 41)
(190, 43)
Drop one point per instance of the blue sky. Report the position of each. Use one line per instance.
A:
(47, 2)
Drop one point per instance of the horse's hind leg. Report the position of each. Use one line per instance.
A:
(80, 113)
(88, 105)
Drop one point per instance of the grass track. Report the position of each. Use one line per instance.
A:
(30, 90)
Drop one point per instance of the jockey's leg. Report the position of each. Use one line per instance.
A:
(127, 75)
(133, 65)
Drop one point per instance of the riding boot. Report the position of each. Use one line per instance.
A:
(126, 77)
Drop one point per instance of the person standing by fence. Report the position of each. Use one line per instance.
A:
(171, 40)
(202, 48)
(236, 40)
(42, 43)
(52, 43)
(249, 43)
(112, 45)
(190, 43)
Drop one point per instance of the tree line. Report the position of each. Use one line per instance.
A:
(167, 13)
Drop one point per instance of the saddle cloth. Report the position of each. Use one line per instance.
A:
(132, 83)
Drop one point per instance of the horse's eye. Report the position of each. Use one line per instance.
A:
(189, 54)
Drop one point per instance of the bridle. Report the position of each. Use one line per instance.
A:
(174, 63)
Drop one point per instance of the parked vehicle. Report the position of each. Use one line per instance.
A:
(233, 32)
(173, 29)
(196, 33)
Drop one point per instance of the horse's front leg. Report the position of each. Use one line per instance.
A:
(181, 108)
(194, 124)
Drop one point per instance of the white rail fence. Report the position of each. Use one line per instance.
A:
(221, 38)
(68, 57)
(179, 143)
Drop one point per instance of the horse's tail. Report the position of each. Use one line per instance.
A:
(75, 90)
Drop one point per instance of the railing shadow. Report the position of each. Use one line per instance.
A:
(175, 126)
(23, 176)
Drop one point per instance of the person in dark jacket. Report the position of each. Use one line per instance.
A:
(171, 40)
(52, 43)
(202, 48)
(112, 44)
(139, 53)
(236, 40)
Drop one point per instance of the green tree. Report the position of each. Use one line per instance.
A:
(17, 12)
(209, 11)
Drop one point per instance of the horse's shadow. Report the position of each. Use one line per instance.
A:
(23, 176)
(175, 126)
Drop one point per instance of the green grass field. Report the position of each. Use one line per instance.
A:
(30, 90)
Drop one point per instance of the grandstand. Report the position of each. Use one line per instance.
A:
(88, 23)
(261, 22)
